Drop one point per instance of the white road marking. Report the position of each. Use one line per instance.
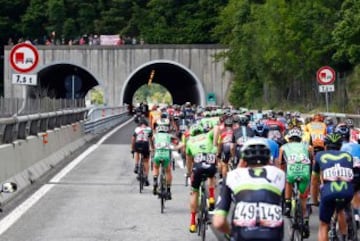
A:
(12, 217)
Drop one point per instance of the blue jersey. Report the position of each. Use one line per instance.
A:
(354, 150)
(336, 169)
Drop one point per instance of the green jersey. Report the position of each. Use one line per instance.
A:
(199, 144)
(298, 164)
(162, 142)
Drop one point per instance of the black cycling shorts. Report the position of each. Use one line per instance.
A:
(199, 170)
(226, 153)
(143, 148)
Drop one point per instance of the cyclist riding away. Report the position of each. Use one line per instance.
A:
(256, 188)
(295, 158)
(201, 161)
(162, 143)
(333, 169)
(141, 142)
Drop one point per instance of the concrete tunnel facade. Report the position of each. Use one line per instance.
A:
(59, 79)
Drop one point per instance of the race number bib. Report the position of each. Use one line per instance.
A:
(356, 162)
(257, 214)
(274, 135)
(203, 157)
(162, 145)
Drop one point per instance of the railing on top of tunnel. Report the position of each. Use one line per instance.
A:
(19, 106)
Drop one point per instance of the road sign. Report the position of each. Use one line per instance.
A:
(325, 75)
(326, 88)
(24, 79)
(24, 57)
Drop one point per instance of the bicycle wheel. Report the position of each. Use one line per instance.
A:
(352, 227)
(297, 223)
(141, 175)
(162, 189)
(203, 218)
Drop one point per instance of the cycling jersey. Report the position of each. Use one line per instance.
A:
(240, 136)
(225, 140)
(257, 193)
(336, 169)
(153, 117)
(317, 132)
(298, 164)
(142, 136)
(162, 143)
(354, 150)
(203, 151)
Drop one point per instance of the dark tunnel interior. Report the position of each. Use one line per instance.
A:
(67, 81)
(59, 81)
(179, 82)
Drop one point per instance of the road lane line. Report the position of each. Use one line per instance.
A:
(12, 217)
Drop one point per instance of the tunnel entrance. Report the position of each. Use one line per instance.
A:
(183, 85)
(63, 81)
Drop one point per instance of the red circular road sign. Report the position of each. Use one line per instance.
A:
(325, 75)
(24, 57)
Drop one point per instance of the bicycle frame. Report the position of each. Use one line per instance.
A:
(296, 220)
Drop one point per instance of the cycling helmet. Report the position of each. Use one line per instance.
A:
(295, 134)
(236, 119)
(256, 151)
(343, 130)
(318, 117)
(260, 129)
(143, 121)
(196, 129)
(329, 121)
(349, 122)
(228, 122)
(243, 120)
(333, 141)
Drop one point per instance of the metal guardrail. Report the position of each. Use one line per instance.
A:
(19, 127)
(96, 120)
(104, 118)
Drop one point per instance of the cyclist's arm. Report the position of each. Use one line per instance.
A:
(133, 137)
(222, 209)
(280, 159)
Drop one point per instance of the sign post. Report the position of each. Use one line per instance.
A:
(326, 77)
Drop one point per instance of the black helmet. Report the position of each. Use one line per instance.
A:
(333, 141)
(243, 120)
(228, 122)
(143, 121)
(256, 151)
(349, 122)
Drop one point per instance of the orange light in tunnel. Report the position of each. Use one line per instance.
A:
(151, 77)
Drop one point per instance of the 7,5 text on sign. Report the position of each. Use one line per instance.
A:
(24, 79)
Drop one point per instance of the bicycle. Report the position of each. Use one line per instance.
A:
(163, 192)
(203, 219)
(141, 175)
(297, 218)
(352, 226)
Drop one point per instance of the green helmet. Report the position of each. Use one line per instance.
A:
(196, 129)
(333, 141)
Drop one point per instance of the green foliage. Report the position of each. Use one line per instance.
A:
(153, 94)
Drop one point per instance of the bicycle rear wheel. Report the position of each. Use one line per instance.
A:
(141, 175)
(297, 223)
(352, 226)
(162, 189)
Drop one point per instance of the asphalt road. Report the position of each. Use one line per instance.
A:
(97, 199)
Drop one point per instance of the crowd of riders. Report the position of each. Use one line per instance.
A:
(254, 158)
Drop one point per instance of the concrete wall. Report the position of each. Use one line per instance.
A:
(24, 161)
(112, 65)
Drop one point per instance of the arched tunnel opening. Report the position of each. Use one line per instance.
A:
(178, 80)
(63, 81)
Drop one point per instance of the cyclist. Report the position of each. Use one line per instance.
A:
(276, 128)
(141, 142)
(256, 188)
(330, 126)
(225, 145)
(201, 160)
(354, 132)
(354, 150)
(317, 131)
(241, 135)
(295, 158)
(162, 152)
(261, 131)
(334, 168)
